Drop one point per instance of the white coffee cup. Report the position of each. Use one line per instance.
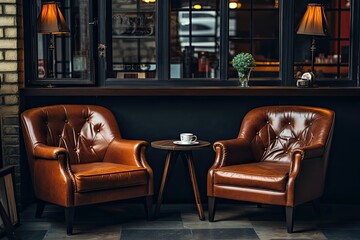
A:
(187, 137)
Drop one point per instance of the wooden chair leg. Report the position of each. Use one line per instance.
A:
(148, 207)
(289, 219)
(211, 207)
(69, 218)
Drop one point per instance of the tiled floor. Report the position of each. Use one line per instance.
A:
(180, 222)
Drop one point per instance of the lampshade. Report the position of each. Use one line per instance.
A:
(314, 21)
(51, 20)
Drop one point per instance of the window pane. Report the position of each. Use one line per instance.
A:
(240, 24)
(262, 27)
(266, 50)
(254, 28)
(344, 52)
(345, 4)
(128, 51)
(133, 39)
(331, 55)
(333, 23)
(245, 4)
(345, 24)
(266, 3)
(336, 4)
(194, 39)
(237, 46)
(180, 4)
(68, 56)
(203, 4)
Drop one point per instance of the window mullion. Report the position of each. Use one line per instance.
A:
(102, 40)
(354, 43)
(224, 39)
(286, 42)
(163, 39)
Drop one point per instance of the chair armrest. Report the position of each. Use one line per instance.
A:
(48, 152)
(308, 152)
(47, 174)
(305, 153)
(307, 161)
(230, 152)
(128, 152)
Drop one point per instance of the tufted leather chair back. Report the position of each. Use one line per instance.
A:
(85, 131)
(274, 131)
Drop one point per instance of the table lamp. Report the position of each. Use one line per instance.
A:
(51, 21)
(313, 23)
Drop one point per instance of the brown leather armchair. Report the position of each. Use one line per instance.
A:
(279, 158)
(77, 157)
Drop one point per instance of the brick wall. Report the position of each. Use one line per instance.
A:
(11, 77)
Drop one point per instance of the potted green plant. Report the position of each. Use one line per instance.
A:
(243, 63)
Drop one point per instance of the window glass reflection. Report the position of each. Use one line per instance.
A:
(254, 28)
(194, 39)
(331, 56)
(133, 39)
(68, 56)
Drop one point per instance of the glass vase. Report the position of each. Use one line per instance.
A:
(244, 77)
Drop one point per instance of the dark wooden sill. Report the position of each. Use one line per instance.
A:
(190, 91)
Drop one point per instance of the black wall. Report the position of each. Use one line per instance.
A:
(212, 119)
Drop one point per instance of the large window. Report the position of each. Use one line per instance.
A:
(165, 42)
(63, 40)
(133, 42)
(254, 28)
(194, 39)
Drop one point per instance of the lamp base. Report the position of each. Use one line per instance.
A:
(51, 58)
(307, 81)
(302, 83)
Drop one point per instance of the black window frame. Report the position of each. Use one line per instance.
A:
(99, 12)
(31, 47)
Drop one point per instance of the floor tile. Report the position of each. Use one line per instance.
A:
(267, 230)
(180, 221)
(157, 234)
(343, 234)
(192, 221)
(232, 233)
(85, 232)
(33, 235)
(188, 234)
(156, 224)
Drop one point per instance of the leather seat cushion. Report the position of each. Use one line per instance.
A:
(105, 175)
(260, 175)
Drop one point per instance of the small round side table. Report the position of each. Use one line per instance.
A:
(185, 152)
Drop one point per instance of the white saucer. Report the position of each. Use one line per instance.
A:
(185, 143)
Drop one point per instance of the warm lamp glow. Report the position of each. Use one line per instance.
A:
(51, 20)
(314, 24)
(149, 1)
(234, 5)
(197, 6)
(314, 21)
